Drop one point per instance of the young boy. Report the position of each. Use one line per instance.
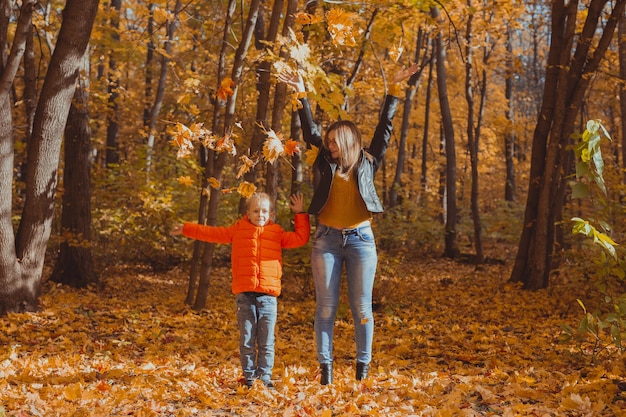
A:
(256, 258)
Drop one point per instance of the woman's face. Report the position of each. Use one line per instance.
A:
(331, 143)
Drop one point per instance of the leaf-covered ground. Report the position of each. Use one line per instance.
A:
(451, 340)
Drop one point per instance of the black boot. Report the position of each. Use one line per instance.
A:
(361, 370)
(327, 373)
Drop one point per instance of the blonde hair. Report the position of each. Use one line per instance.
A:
(258, 198)
(348, 139)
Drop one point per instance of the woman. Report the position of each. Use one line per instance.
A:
(343, 201)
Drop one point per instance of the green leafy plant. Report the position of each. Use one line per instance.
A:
(605, 328)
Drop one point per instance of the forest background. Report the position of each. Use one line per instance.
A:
(119, 119)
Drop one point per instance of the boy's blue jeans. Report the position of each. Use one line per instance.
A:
(256, 315)
(332, 248)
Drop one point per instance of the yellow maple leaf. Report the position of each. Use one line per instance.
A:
(273, 147)
(185, 180)
(246, 189)
(311, 155)
(395, 52)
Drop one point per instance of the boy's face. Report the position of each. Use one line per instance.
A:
(259, 212)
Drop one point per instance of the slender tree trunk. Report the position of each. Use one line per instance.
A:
(21, 259)
(472, 139)
(113, 127)
(75, 265)
(622, 88)
(278, 109)
(160, 93)
(442, 175)
(509, 134)
(359, 61)
(149, 62)
(429, 89)
(451, 246)
(410, 94)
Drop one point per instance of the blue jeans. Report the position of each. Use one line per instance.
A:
(332, 248)
(256, 315)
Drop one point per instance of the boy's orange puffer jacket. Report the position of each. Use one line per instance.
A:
(256, 250)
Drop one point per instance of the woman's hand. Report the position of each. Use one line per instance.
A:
(294, 79)
(404, 73)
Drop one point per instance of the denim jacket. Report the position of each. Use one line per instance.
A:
(324, 168)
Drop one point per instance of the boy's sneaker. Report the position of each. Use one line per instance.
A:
(269, 384)
(249, 383)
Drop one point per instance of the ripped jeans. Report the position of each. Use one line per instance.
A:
(332, 248)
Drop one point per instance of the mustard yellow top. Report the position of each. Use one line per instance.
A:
(345, 207)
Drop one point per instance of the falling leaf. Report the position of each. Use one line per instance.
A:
(226, 89)
(396, 52)
(246, 165)
(273, 147)
(291, 147)
(246, 189)
(185, 180)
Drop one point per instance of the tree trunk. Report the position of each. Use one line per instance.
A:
(410, 94)
(22, 258)
(451, 247)
(567, 78)
(472, 140)
(160, 94)
(429, 89)
(15, 294)
(113, 82)
(622, 88)
(74, 265)
(509, 134)
(278, 109)
(150, 47)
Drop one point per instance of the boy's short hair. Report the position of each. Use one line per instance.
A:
(258, 197)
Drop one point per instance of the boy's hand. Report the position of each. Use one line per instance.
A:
(177, 230)
(296, 203)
